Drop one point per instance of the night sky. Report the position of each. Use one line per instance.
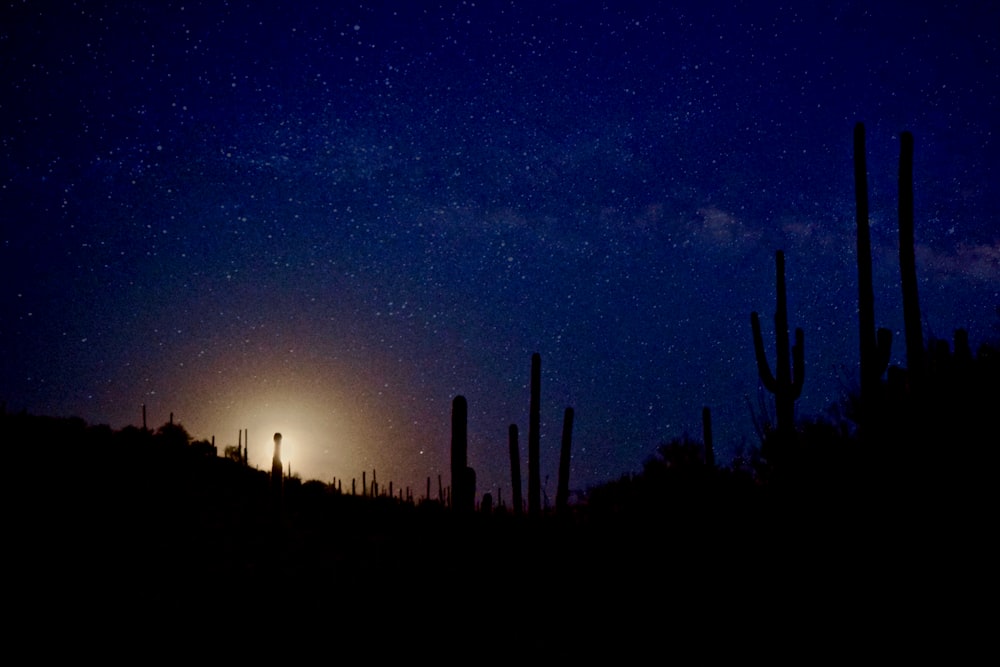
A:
(331, 221)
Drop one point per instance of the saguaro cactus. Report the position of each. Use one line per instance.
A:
(534, 424)
(276, 467)
(786, 381)
(515, 468)
(706, 428)
(562, 490)
(463, 496)
(468, 504)
(874, 345)
(908, 264)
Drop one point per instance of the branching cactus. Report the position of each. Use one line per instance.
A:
(786, 380)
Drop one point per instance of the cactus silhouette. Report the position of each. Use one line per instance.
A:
(874, 346)
(515, 468)
(276, 467)
(908, 265)
(562, 490)
(463, 495)
(534, 423)
(706, 427)
(468, 503)
(786, 381)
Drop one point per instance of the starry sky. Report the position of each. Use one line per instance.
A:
(329, 219)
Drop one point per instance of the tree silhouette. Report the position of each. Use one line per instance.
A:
(232, 453)
(173, 435)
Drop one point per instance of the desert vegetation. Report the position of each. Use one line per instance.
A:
(904, 461)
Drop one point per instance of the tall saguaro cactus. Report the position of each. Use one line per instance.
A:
(515, 468)
(706, 429)
(874, 345)
(276, 467)
(534, 424)
(786, 381)
(463, 498)
(908, 264)
(562, 490)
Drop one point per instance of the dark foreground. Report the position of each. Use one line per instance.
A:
(98, 525)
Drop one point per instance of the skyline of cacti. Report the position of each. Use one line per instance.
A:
(785, 382)
(400, 205)
(221, 221)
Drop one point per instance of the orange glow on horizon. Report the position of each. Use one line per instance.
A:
(337, 420)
